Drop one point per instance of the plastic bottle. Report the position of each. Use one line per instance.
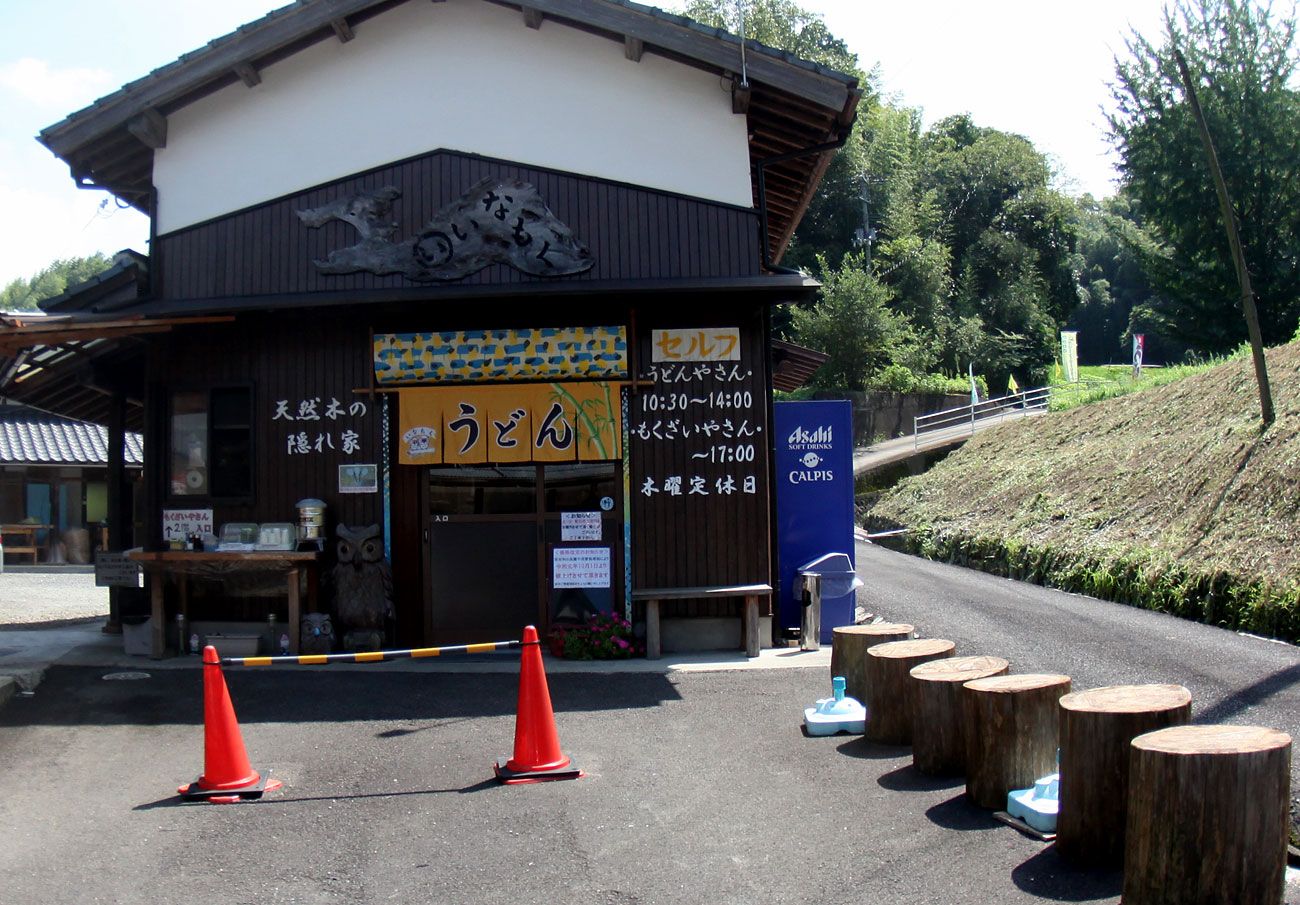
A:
(194, 642)
(284, 643)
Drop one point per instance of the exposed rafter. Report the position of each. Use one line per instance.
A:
(633, 48)
(248, 73)
(532, 17)
(342, 30)
(150, 127)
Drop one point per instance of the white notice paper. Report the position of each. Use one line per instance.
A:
(579, 526)
(580, 567)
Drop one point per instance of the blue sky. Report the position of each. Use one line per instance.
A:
(1037, 67)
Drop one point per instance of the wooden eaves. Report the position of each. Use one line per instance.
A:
(790, 104)
(18, 333)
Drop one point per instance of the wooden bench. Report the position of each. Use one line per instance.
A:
(12, 534)
(752, 593)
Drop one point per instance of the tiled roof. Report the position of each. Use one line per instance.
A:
(31, 437)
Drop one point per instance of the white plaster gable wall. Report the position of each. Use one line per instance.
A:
(465, 75)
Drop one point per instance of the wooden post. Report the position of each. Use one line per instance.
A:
(1097, 727)
(749, 627)
(295, 612)
(849, 645)
(157, 608)
(652, 650)
(1011, 734)
(890, 688)
(938, 718)
(1207, 816)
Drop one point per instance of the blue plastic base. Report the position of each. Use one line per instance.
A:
(1037, 806)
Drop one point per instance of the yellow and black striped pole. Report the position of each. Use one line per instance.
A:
(375, 656)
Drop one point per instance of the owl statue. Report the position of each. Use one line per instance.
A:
(317, 634)
(363, 588)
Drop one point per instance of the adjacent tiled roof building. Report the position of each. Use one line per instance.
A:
(31, 437)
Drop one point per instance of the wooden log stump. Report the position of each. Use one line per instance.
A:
(1011, 734)
(1097, 727)
(890, 688)
(938, 720)
(849, 645)
(1207, 816)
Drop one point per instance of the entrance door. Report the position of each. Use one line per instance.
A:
(493, 532)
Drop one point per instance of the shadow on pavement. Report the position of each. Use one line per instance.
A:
(79, 696)
(960, 813)
(1049, 876)
(860, 747)
(175, 801)
(1255, 693)
(910, 779)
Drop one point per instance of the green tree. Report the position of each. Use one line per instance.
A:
(24, 295)
(1116, 296)
(1246, 61)
(855, 326)
(782, 24)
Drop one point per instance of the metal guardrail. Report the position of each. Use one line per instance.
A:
(978, 412)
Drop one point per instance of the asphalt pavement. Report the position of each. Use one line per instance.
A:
(699, 785)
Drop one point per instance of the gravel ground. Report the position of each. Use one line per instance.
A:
(27, 598)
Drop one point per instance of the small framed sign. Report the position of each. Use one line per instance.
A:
(178, 524)
(116, 570)
(358, 478)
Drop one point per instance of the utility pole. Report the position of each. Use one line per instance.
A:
(1234, 242)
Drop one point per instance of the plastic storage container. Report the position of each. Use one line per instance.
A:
(277, 536)
(239, 536)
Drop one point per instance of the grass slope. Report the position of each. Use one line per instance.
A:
(1171, 498)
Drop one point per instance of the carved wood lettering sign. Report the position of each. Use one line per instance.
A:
(496, 221)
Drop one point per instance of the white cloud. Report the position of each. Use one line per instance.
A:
(37, 82)
(56, 220)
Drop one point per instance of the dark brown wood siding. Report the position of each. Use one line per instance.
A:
(714, 532)
(633, 233)
(285, 359)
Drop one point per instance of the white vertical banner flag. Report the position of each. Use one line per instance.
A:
(974, 393)
(1070, 355)
(1139, 343)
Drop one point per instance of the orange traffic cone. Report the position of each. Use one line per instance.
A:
(537, 745)
(227, 775)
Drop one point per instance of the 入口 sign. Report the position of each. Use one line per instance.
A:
(179, 524)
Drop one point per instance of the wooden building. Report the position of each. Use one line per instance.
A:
(494, 276)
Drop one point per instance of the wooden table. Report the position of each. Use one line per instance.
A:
(181, 564)
(27, 532)
(752, 593)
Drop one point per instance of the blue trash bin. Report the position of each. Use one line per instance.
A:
(835, 605)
